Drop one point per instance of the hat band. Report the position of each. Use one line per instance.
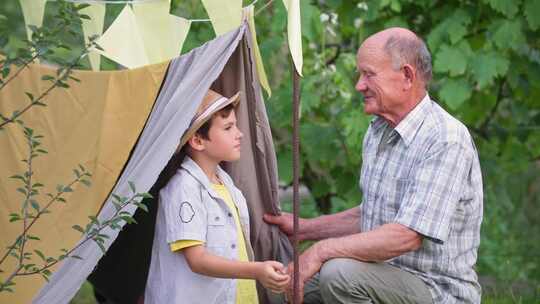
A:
(209, 110)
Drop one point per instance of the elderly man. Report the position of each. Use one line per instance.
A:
(414, 238)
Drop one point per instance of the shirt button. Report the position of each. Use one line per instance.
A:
(229, 214)
(233, 246)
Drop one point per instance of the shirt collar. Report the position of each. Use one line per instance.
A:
(377, 123)
(408, 127)
(195, 170)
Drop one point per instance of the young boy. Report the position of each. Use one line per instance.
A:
(201, 251)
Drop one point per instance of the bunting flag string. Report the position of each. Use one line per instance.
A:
(132, 38)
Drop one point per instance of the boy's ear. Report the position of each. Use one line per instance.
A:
(196, 142)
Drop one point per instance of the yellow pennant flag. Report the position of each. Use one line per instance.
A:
(294, 32)
(33, 11)
(94, 26)
(122, 42)
(154, 24)
(225, 15)
(146, 34)
(249, 15)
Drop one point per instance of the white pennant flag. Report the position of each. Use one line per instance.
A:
(144, 35)
(33, 11)
(294, 32)
(122, 41)
(225, 15)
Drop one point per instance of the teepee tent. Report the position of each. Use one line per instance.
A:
(122, 132)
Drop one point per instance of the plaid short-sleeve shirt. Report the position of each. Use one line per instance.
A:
(425, 174)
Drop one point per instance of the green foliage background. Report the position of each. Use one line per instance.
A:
(486, 60)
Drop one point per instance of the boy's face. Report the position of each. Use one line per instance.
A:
(224, 139)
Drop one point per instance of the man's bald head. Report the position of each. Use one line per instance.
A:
(404, 47)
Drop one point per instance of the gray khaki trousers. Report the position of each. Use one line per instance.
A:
(352, 281)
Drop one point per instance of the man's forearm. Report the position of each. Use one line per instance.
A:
(381, 244)
(328, 226)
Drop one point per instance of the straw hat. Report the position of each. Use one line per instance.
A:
(212, 103)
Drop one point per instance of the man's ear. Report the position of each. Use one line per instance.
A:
(196, 142)
(409, 74)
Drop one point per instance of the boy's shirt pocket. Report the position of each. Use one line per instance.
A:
(217, 233)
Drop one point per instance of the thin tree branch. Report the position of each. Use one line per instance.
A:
(483, 127)
(41, 212)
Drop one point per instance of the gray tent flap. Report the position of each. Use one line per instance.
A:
(227, 64)
(188, 79)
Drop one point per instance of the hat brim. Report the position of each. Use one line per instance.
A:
(235, 100)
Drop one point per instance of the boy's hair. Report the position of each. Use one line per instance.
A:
(205, 128)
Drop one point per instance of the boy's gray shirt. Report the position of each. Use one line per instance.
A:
(189, 209)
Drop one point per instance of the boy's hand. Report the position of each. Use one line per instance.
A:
(272, 275)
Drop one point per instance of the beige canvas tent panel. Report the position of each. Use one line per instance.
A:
(95, 123)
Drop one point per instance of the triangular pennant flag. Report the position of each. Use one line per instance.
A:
(249, 14)
(225, 15)
(294, 32)
(94, 26)
(179, 31)
(122, 41)
(154, 25)
(33, 11)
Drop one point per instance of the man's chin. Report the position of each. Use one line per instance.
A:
(368, 109)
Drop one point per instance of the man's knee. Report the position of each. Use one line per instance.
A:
(338, 273)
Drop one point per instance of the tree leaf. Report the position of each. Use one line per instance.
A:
(21, 190)
(146, 195)
(506, 7)
(35, 205)
(454, 92)
(78, 228)
(33, 237)
(486, 66)
(508, 34)
(531, 10)
(30, 96)
(456, 25)
(40, 254)
(142, 206)
(451, 60)
(47, 77)
(132, 186)
(18, 177)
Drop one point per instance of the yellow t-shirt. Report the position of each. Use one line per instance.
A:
(246, 291)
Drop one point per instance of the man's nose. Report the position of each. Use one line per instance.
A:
(361, 85)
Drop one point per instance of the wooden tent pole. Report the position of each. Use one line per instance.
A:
(296, 176)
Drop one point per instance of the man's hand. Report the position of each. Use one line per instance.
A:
(273, 276)
(310, 262)
(283, 221)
